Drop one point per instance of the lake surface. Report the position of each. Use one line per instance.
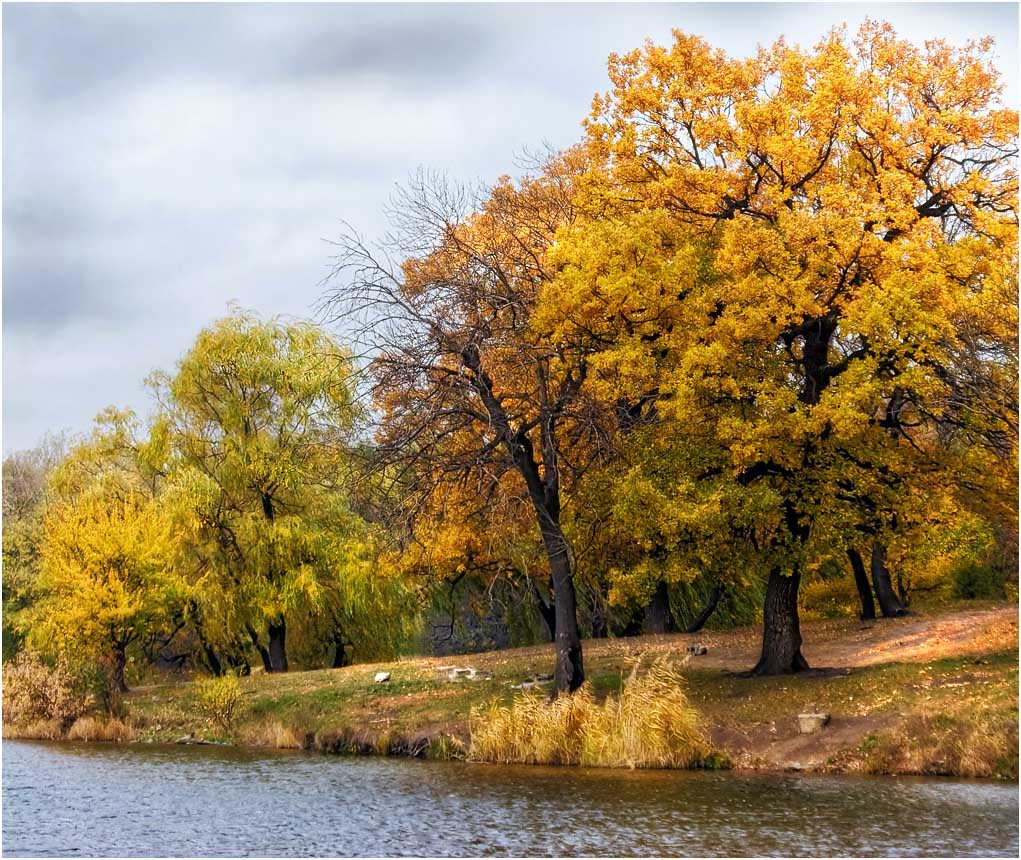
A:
(110, 800)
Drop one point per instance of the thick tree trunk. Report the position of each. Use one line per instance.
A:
(781, 631)
(340, 659)
(658, 617)
(706, 614)
(278, 646)
(861, 580)
(889, 605)
(569, 673)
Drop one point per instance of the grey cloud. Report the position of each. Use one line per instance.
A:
(161, 160)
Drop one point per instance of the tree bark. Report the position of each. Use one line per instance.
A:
(548, 611)
(120, 662)
(889, 605)
(710, 608)
(658, 617)
(861, 580)
(781, 630)
(569, 673)
(278, 645)
(340, 659)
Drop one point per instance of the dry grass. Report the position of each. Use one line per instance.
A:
(36, 730)
(649, 724)
(92, 729)
(983, 745)
(272, 733)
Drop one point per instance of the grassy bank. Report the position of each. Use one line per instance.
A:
(931, 694)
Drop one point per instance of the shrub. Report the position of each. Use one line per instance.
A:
(220, 700)
(34, 692)
(979, 582)
(650, 724)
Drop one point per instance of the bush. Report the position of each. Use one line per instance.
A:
(651, 724)
(979, 582)
(220, 699)
(34, 692)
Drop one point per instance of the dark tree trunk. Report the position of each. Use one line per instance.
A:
(600, 629)
(120, 662)
(267, 663)
(339, 655)
(208, 653)
(548, 611)
(658, 617)
(781, 631)
(569, 673)
(278, 646)
(889, 605)
(861, 580)
(706, 614)
(239, 664)
(633, 626)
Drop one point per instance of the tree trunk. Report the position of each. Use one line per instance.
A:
(208, 653)
(861, 580)
(889, 605)
(658, 617)
(548, 611)
(120, 662)
(569, 673)
(600, 629)
(340, 658)
(781, 631)
(710, 608)
(267, 663)
(278, 646)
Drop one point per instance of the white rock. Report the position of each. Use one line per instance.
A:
(382, 676)
(810, 723)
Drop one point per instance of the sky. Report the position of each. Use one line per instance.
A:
(161, 161)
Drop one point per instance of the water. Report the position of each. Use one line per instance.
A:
(109, 800)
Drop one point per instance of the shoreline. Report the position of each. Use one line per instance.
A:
(931, 694)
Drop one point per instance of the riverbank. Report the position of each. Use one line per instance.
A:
(930, 693)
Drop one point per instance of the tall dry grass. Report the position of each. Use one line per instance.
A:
(92, 729)
(977, 745)
(650, 724)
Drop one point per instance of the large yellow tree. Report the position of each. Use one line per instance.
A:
(809, 259)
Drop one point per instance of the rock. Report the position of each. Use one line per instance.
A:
(382, 677)
(810, 723)
(532, 681)
(698, 650)
(463, 673)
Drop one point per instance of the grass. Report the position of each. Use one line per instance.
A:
(648, 724)
(953, 707)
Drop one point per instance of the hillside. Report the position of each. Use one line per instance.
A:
(928, 693)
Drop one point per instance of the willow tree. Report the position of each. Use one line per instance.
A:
(794, 252)
(255, 427)
(467, 391)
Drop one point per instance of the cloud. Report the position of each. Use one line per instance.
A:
(161, 160)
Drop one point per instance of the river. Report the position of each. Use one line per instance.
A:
(110, 800)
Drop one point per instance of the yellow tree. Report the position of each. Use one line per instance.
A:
(107, 554)
(793, 253)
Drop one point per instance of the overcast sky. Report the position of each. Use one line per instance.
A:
(160, 161)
